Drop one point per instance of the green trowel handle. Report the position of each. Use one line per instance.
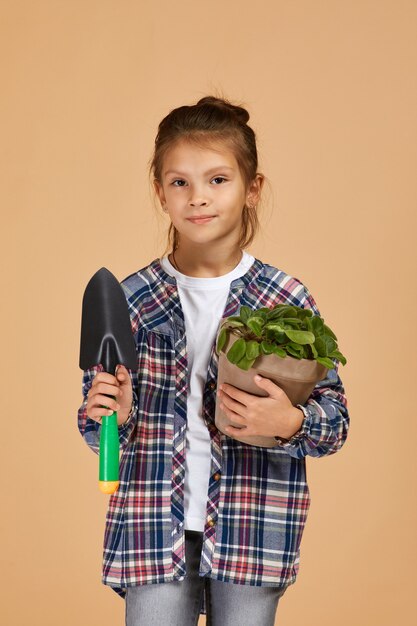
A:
(109, 454)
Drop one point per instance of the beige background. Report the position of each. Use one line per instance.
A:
(331, 88)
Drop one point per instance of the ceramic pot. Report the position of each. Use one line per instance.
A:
(297, 377)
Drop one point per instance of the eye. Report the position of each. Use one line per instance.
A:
(180, 180)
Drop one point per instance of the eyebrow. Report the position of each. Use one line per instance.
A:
(213, 169)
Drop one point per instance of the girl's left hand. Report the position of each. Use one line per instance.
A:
(266, 416)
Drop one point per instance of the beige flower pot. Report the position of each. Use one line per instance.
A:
(297, 377)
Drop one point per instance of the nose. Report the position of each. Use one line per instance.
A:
(197, 202)
(197, 198)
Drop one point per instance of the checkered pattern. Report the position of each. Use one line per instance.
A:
(258, 498)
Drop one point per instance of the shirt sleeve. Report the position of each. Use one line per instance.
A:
(326, 418)
(90, 429)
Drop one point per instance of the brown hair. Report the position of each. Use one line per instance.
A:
(211, 120)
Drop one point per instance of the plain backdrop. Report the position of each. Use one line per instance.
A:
(331, 90)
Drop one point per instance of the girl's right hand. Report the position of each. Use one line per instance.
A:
(119, 386)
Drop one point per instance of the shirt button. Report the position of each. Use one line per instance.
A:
(212, 385)
(216, 476)
(210, 522)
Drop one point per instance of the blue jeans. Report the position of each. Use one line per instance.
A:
(178, 603)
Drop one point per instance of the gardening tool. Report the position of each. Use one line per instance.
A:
(107, 339)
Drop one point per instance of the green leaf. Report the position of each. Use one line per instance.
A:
(235, 324)
(279, 351)
(329, 331)
(305, 351)
(255, 324)
(335, 354)
(305, 314)
(263, 312)
(221, 340)
(269, 335)
(300, 336)
(330, 344)
(275, 327)
(317, 325)
(325, 361)
(237, 351)
(292, 321)
(293, 352)
(245, 363)
(278, 338)
(291, 311)
(325, 345)
(245, 313)
(267, 348)
(295, 346)
(279, 311)
(320, 344)
(252, 349)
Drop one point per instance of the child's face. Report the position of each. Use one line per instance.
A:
(203, 182)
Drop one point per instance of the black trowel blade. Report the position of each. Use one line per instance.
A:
(106, 332)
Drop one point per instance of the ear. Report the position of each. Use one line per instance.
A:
(254, 192)
(159, 191)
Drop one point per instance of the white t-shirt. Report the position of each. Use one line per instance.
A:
(203, 301)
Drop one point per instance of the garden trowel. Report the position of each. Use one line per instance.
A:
(107, 339)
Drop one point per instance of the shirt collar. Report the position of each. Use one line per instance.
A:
(255, 269)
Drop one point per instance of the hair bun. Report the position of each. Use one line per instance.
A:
(239, 112)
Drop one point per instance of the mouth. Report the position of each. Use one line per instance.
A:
(202, 219)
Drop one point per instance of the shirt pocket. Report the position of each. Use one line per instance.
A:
(156, 386)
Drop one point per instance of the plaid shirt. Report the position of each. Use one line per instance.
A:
(258, 498)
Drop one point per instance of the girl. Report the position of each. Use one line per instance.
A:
(202, 523)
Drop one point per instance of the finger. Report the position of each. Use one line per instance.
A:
(95, 419)
(104, 377)
(232, 431)
(121, 372)
(97, 414)
(234, 417)
(237, 394)
(106, 402)
(233, 406)
(123, 377)
(105, 388)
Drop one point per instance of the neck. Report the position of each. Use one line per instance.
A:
(210, 266)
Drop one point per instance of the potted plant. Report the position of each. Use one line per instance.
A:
(287, 344)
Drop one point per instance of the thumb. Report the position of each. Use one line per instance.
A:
(120, 369)
(123, 378)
